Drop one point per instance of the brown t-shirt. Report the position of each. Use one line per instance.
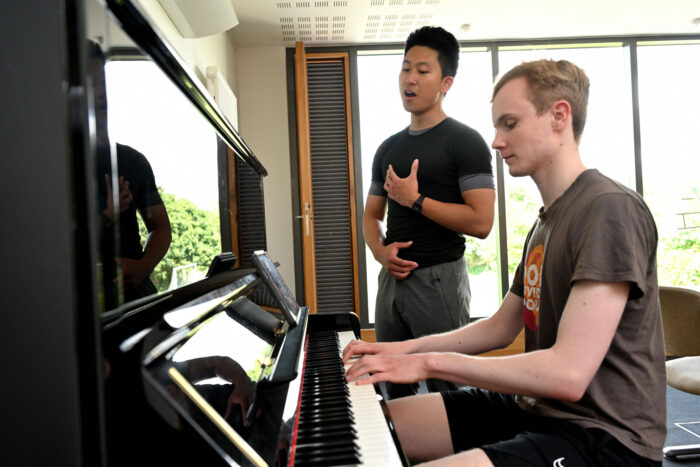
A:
(600, 230)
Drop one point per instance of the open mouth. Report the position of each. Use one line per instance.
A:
(409, 94)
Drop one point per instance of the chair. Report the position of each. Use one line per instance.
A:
(680, 313)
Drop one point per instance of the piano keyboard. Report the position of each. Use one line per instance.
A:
(339, 423)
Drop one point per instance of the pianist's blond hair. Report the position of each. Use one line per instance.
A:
(550, 81)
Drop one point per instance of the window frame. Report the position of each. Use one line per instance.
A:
(629, 43)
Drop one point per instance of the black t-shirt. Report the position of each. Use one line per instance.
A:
(135, 168)
(453, 158)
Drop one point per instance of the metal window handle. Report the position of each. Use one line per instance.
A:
(306, 218)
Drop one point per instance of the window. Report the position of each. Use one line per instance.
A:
(147, 112)
(607, 143)
(669, 97)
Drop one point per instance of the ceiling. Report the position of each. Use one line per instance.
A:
(335, 22)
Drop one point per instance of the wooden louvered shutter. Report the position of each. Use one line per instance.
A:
(247, 204)
(326, 182)
(248, 233)
(251, 213)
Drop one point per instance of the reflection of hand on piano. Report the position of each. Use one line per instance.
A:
(228, 369)
(241, 397)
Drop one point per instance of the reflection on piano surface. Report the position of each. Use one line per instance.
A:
(224, 370)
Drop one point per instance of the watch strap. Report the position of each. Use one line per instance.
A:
(418, 204)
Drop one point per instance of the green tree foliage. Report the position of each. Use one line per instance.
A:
(196, 238)
(678, 259)
(483, 257)
(678, 256)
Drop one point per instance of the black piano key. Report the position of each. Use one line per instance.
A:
(329, 392)
(320, 449)
(324, 374)
(332, 418)
(325, 431)
(314, 412)
(338, 433)
(315, 454)
(319, 419)
(323, 387)
(337, 426)
(325, 400)
(344, 435)
(329, 460)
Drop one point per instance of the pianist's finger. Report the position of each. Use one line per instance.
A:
(349, 350)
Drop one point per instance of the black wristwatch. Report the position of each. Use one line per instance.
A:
(418, 205)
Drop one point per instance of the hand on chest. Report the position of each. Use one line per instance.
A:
(432, 168)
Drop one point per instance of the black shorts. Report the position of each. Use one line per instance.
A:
(511, 436)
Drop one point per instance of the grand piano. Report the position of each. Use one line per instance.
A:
(222, 368)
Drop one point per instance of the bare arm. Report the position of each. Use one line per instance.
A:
(491, 333)
(372, 229)
(372, 222)
(494, 332)
(564, 371)
(474, 217)
(159, 235)
(157, 243)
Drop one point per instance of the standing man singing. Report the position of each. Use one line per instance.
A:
(435, 176)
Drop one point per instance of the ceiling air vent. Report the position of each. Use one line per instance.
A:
(200, 19)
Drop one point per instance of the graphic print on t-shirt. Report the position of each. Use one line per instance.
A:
(532, 282)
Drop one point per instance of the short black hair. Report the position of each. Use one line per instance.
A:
(443, 42)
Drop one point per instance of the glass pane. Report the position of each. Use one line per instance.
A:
(382, 114)
(149, 114)
(607, 143)
(669, 97)
(156, 176)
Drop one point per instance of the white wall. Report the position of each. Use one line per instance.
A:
(264, 125)
(215, 50)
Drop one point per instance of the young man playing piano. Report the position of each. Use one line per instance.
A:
(436, 180)
(590, 388)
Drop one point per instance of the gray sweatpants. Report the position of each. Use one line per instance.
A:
(431, 300)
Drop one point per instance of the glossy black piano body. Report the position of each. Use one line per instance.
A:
(219, 380)
(202, 374)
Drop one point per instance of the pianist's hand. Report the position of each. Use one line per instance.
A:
(402, 369)
(240, 399)
(358, 348)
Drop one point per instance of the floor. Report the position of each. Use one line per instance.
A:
(683, 423)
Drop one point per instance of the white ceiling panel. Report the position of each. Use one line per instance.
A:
(326, 22)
